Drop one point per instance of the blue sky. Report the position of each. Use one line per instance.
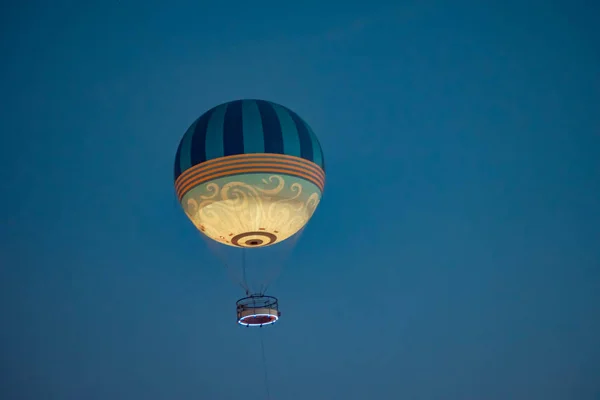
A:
(454, 255)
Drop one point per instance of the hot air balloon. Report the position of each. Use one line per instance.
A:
(250, 174)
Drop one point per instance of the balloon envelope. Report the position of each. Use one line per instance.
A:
(249, 173)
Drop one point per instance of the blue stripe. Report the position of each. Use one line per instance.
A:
(233, 129)
(187, 144)
(253, 130)
(306, 149)
(317, 152)
(273, 137)
(214, 133)
(177, 167)
(291, 141)
(322, 157)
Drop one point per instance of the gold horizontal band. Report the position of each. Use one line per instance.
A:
(246, 159)
(256, 163)
(267, 167)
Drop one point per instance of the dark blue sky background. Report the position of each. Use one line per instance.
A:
(455, 254)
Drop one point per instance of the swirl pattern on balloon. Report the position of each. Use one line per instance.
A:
(252, 210)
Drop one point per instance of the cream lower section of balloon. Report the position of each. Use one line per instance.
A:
(268, 205)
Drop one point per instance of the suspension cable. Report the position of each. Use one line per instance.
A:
(283, 257)
(244, 271)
